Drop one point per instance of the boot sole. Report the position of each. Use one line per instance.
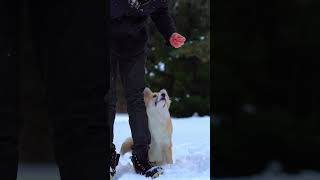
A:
(156, 175)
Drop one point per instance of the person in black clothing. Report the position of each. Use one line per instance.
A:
(128, 53)
(70, 42)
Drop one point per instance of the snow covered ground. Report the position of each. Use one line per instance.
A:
(191, 150)
(191, 153)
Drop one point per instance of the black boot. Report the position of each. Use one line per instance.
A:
(143, 166)
(114, 160)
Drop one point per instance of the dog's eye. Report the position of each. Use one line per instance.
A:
(154, 96)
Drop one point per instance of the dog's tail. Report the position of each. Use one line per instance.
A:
(126, 146)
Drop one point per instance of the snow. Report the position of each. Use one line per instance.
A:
(191, 155)
(162, 66)
(191, 150)
(151, 74)
(41, 171)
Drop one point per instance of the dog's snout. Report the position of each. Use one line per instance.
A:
(163, 95)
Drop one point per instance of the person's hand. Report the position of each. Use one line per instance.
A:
(177, 40)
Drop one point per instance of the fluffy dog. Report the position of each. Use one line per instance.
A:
(160, 126)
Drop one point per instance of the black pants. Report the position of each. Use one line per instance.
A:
(132, 74)
(70, 44)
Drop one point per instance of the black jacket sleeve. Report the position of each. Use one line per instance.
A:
(164, 22)
(118, 8)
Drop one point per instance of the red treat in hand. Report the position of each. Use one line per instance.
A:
(177, 40)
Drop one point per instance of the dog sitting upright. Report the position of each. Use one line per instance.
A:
(160, 126)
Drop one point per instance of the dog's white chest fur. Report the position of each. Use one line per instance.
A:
(158, 125)
(161, 135)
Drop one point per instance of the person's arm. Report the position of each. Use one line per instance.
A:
(164, 22)
(166, 27)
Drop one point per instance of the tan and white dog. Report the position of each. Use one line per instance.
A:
(160, 126)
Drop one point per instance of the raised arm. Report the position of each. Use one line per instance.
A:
(166, 26)
(164, 22)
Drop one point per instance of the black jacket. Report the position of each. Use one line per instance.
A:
(128, 31)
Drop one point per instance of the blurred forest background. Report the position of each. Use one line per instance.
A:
(184, 72)
(266, 102)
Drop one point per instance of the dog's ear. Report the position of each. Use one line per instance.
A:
(147, 91)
